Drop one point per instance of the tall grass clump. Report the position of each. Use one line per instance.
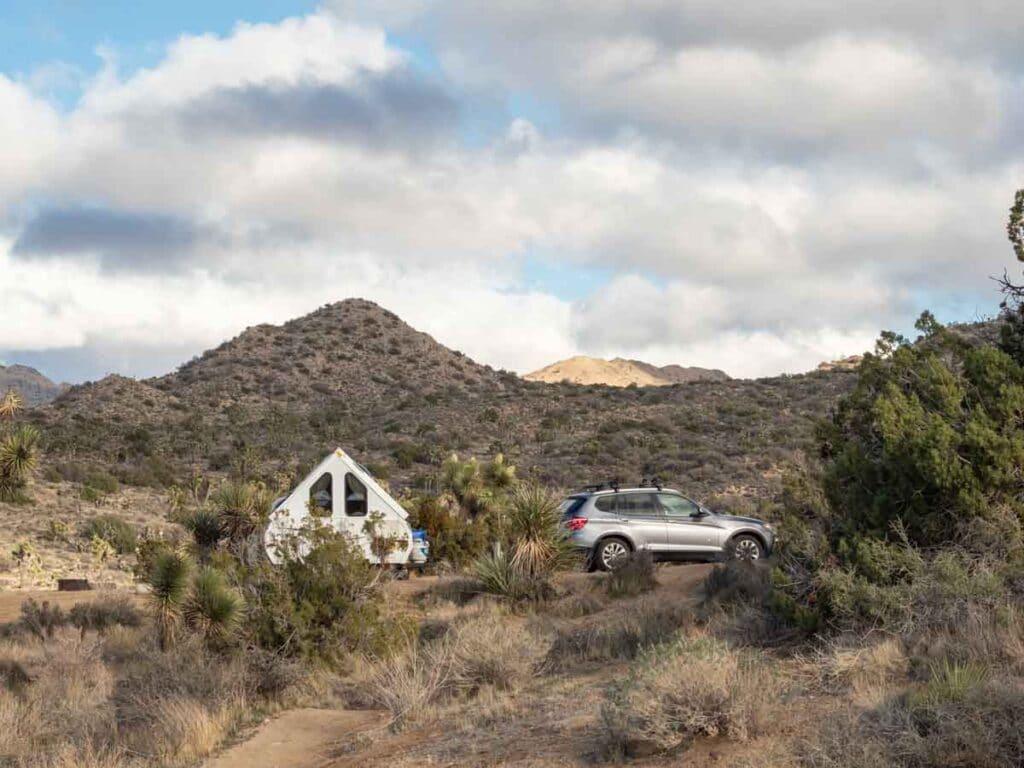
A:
(693, 686)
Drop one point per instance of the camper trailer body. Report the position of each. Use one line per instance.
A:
(341, 492)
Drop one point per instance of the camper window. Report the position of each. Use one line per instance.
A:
(321, 496)
(355, 496)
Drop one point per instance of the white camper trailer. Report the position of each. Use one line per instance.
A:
(343, 491)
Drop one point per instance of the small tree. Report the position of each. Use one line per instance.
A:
(169, 581)
(18, 449)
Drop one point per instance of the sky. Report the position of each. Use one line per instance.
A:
(756, 186)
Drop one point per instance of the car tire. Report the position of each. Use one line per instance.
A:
(610, 553)
(745, 547)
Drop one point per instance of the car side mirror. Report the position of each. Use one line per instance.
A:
(701, 512)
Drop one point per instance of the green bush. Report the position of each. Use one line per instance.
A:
(120, 534)
(453, 538)
(322, 602)
(929, 437)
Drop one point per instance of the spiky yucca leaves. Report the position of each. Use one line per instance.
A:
(499, 473)
(206, 529)
(242, 509)
(17, 460)
(11, 403)
(168, 582)
(213, 608)
(540, 544)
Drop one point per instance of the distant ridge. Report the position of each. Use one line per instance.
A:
(33, 386)
(620, 372)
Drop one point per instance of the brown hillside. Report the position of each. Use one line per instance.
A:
(594, 370)
(678, 374)
(33, 386)
(352, 374)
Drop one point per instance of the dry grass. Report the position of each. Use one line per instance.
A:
(634, 578)
(695, 686)
(487, 652)
(85, 699)
(618, 637)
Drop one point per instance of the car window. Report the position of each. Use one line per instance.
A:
(607, 503)
(637, 505)
(677, 506)
(571, 505)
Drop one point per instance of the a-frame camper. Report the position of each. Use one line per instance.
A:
(343, 491)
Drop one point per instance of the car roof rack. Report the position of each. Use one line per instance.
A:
(610, 485)
(651, 482)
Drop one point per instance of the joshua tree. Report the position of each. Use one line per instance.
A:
(169, 583)
(213, 608)
(17, 450)
(242, 509)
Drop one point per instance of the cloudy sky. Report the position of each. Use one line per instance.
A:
(756, 185)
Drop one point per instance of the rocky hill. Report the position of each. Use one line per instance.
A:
(33, 386)
(619, 372)
(275, 398)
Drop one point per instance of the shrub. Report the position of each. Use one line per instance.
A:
(620, 637)
(119, 533)
(498, 574)
(692, 687)
(213, 609)
(323, 601)
(42, 619)
(453, 538)
(102, 614)
(927, 437)
(634, 577)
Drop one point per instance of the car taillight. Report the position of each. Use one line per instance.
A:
(575, 523)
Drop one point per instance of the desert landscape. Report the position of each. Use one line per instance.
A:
(530, 383)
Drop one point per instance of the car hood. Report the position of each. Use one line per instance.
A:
(743, 520)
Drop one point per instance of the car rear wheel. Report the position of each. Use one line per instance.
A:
(746, 548)
(611, 554)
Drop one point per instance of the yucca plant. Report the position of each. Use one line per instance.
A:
(498, 575)
(499, 473)
(11, 403)
(241, 507)
(17, 460)
(206, 528)
(540, 544)
(213, 608)
(169, 581)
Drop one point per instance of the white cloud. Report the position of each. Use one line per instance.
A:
(763, 198)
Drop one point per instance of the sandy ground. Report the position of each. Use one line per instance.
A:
(299, 738)
(545, 732)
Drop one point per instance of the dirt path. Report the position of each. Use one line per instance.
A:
(555, 726)
(299, 738)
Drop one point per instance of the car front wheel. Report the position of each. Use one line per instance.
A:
(746, 548)
(611, 553)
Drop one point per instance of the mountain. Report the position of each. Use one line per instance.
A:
(678, 374)
(274, 399)
(33, 386)
(620, 372)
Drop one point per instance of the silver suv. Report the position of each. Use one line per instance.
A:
(611, 522)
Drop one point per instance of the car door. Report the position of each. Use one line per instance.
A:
(686, 530)
(640, 513)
